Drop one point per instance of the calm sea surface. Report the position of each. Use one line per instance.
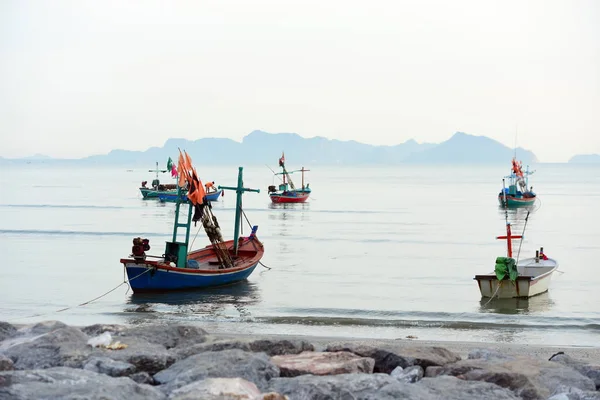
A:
(380, 252)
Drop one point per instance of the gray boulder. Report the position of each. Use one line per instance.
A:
(529, 379)
(591, 371)
(63, 346)
(344, 386)
(384, 387)
(253, 367)
(270, 347)
(145, 356)
(6, 330)
(167, 335)
(571, 393)
(69, 383)
(108, 366)
(409, 375)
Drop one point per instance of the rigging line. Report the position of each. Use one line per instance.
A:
(245, 216)
(260, 262)
(495, 293)
(126, 281)
(523, 234)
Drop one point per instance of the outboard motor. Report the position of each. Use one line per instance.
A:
(139, 248)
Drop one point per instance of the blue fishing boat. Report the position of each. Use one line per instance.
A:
(518, 193)
(172, 196)
(220, 263)
(156, 188)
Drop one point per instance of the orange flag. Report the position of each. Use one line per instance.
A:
(182, 171)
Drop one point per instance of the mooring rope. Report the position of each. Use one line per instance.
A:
(495, 293)
(125, 281)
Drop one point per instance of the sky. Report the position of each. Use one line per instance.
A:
(84, 77)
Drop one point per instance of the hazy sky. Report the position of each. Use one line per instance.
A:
(84, 77)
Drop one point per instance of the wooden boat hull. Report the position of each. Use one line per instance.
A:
(513, 201)
(534, 278)
(155, 194)
(172, 197)
(293, 197)
(158, 276)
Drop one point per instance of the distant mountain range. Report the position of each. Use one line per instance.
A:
(585, 159)
(260, 147)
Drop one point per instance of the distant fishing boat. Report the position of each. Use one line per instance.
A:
(517, 278)
(220, 263)
(287, 192)
(157, 188)
(171, 197)
(518, 193)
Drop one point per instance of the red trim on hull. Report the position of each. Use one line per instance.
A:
(288, 199)
(249, 253)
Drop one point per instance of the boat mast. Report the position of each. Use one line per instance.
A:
(240, 189)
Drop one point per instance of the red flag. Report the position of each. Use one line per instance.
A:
(282, 159)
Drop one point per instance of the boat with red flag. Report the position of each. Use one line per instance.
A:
(220, 263)
(287, 192)
(514, 278)
(518, 193)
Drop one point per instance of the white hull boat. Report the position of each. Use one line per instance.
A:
(534, 278)
(517, 278)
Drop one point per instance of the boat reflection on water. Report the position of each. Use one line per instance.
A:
(231, 301)
(533, 305)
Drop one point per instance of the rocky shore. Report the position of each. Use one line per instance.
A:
(51, 360)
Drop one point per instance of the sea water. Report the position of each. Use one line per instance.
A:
(381, 252)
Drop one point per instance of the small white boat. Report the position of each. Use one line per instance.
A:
(517, 278)
(534, 278)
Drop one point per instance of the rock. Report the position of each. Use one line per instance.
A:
(142, 377)
(571, 393)
(6, 330)
(443, 388)
(317, 363)
(216, 345)
(70, 383)
(281, 347)
(343, 386)
(6, 364)
(529, 379)
(98, 329)
(145, 356)
(432, 372)
(270, 347)
(44, 327)
(107, 366)
(385, 361)
(430, 356)
(217, 389)
(56, 347)
(488, 355)
(383, 387)
(167, 335)
(591, 371)
(254, 367)
(409, 375)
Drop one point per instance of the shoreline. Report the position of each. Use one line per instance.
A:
(589, 354)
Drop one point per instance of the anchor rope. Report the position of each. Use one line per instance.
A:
(125, 281)
(495, 293)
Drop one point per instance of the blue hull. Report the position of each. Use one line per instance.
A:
(161, 280)
(172, 197)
